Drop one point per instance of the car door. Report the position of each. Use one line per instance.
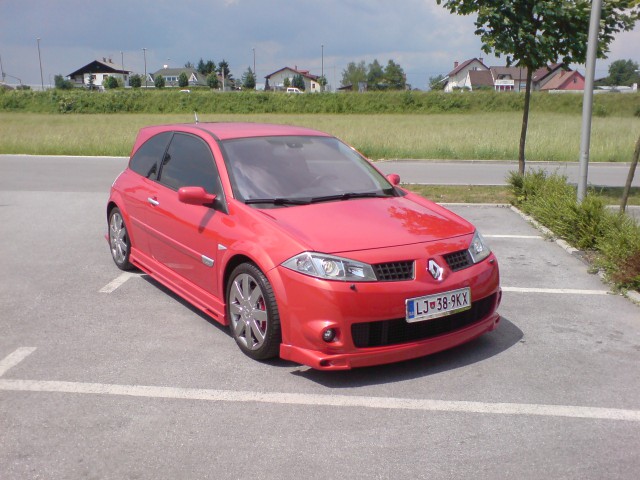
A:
(146, 163)
(184, 237)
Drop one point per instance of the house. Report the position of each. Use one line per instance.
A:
(565, 80)
(97, 72)
(276, 80)
(509, 79)
(480, 79)
(459, 77)
(543, 75)
(171, 76)
(474, 74)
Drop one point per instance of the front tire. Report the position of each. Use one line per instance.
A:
(253, 313)
(119, 242)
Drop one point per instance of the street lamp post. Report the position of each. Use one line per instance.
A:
(255, 77)
(40, 60)
(587, 102)
(322, 69)
(144, 52)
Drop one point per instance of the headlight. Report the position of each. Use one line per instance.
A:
(330, 267)
(478, 249)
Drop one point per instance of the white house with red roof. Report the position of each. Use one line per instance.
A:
(276, 80)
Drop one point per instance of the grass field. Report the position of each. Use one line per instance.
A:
(482, 135)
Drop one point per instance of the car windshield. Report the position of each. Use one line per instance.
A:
(294, 170)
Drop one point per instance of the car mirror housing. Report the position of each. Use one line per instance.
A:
(394, 179)
(195, 196)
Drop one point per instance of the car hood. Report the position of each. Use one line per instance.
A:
(368, 223)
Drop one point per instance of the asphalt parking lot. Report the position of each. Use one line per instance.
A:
(104, 375)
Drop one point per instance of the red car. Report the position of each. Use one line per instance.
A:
(300, 245)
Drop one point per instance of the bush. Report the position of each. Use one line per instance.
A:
(613, 238)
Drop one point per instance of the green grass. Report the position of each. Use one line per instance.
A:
(503, 194)
(488, 136)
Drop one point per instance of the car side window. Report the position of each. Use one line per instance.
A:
(146, 160)
(189, 163)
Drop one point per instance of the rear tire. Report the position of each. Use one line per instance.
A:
(119, 242)
(253, 313)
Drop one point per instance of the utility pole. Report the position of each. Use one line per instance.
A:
(322, 69)
(40, 60)
(587, 101)
(144, 52)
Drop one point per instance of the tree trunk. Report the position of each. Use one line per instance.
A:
(632, 171)
(525, 123)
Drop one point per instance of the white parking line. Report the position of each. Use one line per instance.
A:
(114, 284)
(303, 399)
(14, 359)
(573, 291)
(516, 237)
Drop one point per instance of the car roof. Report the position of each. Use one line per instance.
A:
(233, 130)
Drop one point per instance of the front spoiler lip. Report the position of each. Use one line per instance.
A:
(387, 354)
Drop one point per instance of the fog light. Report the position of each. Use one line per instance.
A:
(329, 335)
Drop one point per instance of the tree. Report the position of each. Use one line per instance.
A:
(623, 72)
(201, 67)
(532, 33)
(188, 65)
(205, 68)
(223, 69)
(286, 83)
(61, 83)
(322, 81)
(183, 80)
(437, 82)
(212, 80)
(298, 82)
(394, 76)
(249, 79)
(375, 74)
(110, 83)
(135, 81)
(159, 81)
(354, 74)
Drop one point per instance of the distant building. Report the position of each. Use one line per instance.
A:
(473, 74)
(276, 80)
(171, 76)
(458, 78)
(99, 71)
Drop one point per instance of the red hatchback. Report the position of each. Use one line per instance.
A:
(300, 245)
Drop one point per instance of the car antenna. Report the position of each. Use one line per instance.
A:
(196, 114)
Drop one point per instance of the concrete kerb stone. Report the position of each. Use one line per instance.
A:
(630, 294)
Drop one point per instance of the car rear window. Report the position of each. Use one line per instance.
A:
(147, 158)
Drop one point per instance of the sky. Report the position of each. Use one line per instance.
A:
(318, 36)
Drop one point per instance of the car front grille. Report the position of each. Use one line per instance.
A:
(397, 331)
(458, 260)
(394, 271)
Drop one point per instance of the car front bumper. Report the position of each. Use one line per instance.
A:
(308, 306)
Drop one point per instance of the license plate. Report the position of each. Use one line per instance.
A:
(439, 305)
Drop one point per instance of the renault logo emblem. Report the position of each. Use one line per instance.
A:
(435, 270)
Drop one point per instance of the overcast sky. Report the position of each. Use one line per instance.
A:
(418, 34)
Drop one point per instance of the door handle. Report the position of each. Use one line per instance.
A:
(153, 201)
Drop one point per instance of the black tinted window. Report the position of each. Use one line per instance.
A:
(189, 163)
(147, 158)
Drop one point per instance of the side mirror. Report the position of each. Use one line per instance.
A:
(195, 196)
(394, 178)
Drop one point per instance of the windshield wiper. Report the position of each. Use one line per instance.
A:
(277, 201)
(349, 195)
